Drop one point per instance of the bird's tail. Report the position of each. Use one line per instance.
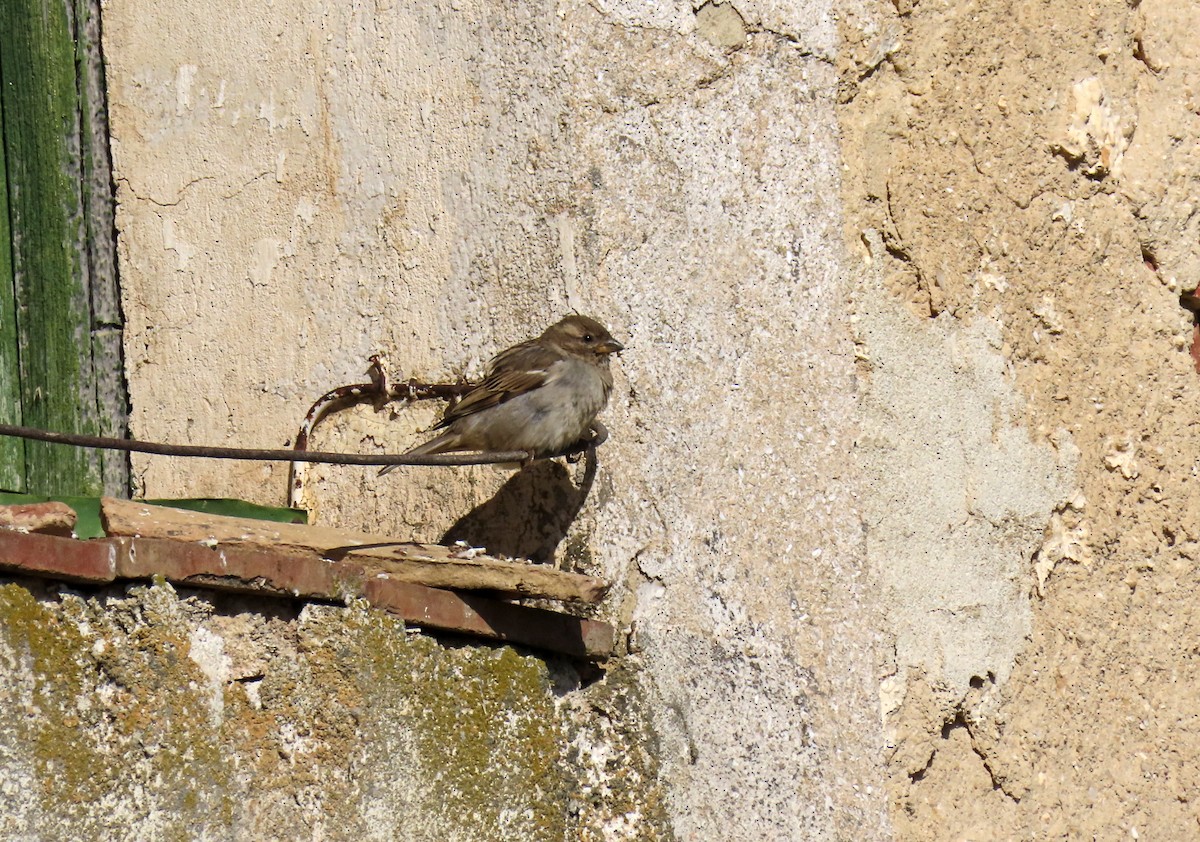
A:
(444, 443)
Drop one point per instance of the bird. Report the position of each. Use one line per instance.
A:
(539, 396)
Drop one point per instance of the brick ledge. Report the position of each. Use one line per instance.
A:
(106, 560)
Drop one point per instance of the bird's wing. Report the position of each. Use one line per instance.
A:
(520, 369)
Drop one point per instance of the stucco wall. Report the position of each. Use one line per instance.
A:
(1020, 182)
(898, 500)
(301, 187)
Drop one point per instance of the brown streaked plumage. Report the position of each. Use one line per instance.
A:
(539, 396)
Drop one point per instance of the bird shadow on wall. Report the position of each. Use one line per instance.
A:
(530, 515)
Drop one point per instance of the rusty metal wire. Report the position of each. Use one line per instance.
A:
(267, 455)
(378, 391)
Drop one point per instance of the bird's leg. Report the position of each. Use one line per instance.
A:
(596, 436)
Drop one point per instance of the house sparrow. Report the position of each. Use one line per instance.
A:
(539, 396)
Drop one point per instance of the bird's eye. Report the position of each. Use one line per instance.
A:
(587, 337)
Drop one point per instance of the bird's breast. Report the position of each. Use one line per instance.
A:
(578, 384)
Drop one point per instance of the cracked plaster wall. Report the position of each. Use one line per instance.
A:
(994, 384)
(299, 188)
(1021, 177)
(960, 494)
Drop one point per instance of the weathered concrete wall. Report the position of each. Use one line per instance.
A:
(302, 186)
(898, 497)
(149, 714)
(1022, 176)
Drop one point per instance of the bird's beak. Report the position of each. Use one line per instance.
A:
(609, 346)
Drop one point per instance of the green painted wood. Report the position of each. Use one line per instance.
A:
(51, 93)
(41, 120)
(12, 451)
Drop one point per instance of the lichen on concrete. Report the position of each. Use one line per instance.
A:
(111, 722)
(478, 721)
(333, 720)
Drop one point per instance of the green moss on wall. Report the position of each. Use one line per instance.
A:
(111, 719)
(482, 720)
(324, 721)
(45, 649)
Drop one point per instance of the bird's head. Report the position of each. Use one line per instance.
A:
(582, 336)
